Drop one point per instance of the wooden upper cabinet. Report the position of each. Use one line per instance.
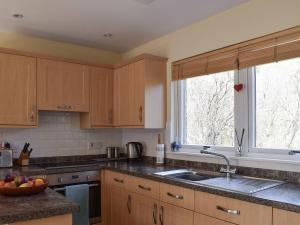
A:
(62, 86)
(18, 91)
(101, 99)
(140, 93)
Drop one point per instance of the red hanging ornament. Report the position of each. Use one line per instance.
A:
(238, 87)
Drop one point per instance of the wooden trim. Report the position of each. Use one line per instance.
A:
(56, 58)
(138, 58)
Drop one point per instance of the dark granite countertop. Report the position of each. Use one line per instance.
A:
(285, 196)
(46, 204)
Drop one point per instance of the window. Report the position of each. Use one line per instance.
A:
(208, 110)
(277, 105)
(268, 108)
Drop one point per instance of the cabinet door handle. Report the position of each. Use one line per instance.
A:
(141, 114)
(144, 188)
(229, 211)
(59, 107)
(32, 116)
(161, 215)
(180, 197)
(155, 214)
(129, 204)
(119, 181)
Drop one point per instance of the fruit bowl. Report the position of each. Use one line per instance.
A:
(24, 190)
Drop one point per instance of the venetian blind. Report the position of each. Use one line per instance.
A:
(270, 48)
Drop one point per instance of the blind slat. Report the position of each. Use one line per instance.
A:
(259, 53)
(288, 47)
(194, 68)
(222, 62)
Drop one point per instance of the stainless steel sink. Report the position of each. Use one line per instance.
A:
(186, 175)
(235, 183)
(240, 184)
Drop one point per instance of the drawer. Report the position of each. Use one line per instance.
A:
(117, 179)
(232, 210)
(144, 186)
(282, 217)
(182, 197)
(200, 219)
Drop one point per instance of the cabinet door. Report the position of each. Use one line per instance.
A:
(137, 93)
(18, 90)
(200, 219)
(282, 217)
(62, 86)
(173, 215)
(129, 90)
(122, 96)
(144, 210)
(120, 206)
(101, 97)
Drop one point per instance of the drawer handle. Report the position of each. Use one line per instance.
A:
(229, 211)
(144, 188)
(119, 181)
(180, 197)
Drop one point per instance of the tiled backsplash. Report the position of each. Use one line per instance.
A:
(59, 134)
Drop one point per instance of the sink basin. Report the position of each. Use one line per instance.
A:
(186, 175)
(240, 184)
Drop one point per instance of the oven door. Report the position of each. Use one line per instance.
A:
(94, 200)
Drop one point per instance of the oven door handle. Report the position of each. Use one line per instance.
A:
(64, 188)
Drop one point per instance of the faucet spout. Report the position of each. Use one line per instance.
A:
(228, 171)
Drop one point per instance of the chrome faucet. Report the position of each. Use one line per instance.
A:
(226, 170)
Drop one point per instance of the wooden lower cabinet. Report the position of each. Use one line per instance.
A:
(144, 210)
(173, 215)
(282, 217)
(120, 206)
(55, 220)
(200, 219)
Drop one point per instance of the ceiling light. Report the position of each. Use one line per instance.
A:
(18, 15)
(107, 35)
(145, 2)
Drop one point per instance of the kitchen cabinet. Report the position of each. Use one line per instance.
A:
(173, 215)
(62, 86)
(173, 205)
(55, 220)
(18, 91)
(282, 217)
(200, 219)
(232, 210)
(101, 99)
(140, 93)
(144, 210)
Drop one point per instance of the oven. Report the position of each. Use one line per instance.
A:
(59, 182)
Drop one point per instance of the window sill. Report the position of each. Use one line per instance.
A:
(256, 160)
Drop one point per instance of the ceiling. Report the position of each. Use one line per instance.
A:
(84, 22)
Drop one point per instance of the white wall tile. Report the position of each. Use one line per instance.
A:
(59, 134)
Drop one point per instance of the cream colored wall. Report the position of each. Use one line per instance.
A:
(246, 21)
(54, 48)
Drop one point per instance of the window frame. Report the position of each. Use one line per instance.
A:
(244, 117)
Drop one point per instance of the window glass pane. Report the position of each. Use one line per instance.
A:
(209, 110)
(278, 104)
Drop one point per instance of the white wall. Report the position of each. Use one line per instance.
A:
(59, 134)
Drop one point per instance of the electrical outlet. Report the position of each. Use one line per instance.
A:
(95, 145)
